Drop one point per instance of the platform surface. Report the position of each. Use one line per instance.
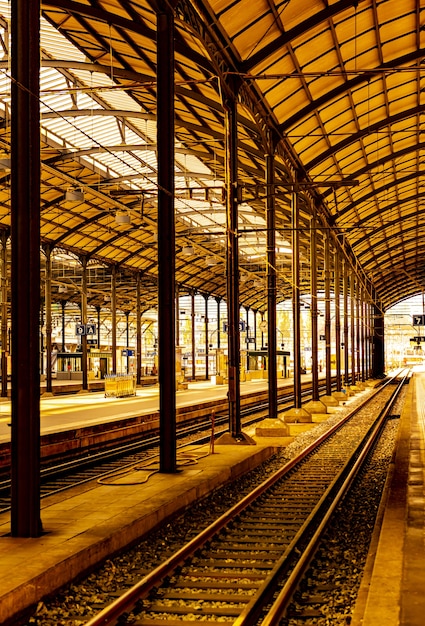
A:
(65, 412)
(393, 587)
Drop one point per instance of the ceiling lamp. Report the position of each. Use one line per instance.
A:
(122, 217)
(4, 164)
(74, 194)
(211, 260)
(187, 250)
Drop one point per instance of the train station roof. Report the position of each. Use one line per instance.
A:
(336, 88)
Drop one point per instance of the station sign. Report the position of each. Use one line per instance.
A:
(250, 340)
(127, 353)
(242, 326)
(418, 320)
(418, 339)
(85, 329)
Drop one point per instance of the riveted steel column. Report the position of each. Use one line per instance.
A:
(232, 269)
(114, 318)
(48, 307)
(296, 300)
(353, 327)
(177, 315)
(63, 306)
(138, 333)
(127, 340)
(4, 338)
(84, 321)
(313, 310)
(369, 336)
(345, 324)
(207, 347)
(218, 300)
(378, 361)
(328, 316)
(271, 286)
(192, 328)
(25, 237)
(166, 238)
(362, 333)
(337, 292)
(358, 341)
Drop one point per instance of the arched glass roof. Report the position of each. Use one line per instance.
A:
(338, 86)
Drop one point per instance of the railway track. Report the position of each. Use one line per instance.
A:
(234, 570)
(97, 464)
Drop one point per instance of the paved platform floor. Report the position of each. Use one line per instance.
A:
(65, 412)
(393, 587)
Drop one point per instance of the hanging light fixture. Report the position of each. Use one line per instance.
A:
(74, 194)
(187, 250)
(122, 217)
(4, 164)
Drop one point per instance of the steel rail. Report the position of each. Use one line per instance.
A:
(112, 614)
(251, 614)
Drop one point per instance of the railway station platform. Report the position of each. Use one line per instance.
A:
(392, 590)
(65, 412)
(95, 520)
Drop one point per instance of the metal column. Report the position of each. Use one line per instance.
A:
(84, 321)
(313, 310)
(114, 318)
(4, 319)
(358, 337)
(296, 300)
(98, 326)
(353, 328)
(63, 307)
(192, 328)
(232, 260)
(48, 307)
(207, 347)
(271, 286)
(362, 332)
(177, 315)
(328, 316)
(127, 339)
(25, 230)
(218, 300)
(337, 293)
(345, 324)
(378, 361)
(166, 238)
(138, 333)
